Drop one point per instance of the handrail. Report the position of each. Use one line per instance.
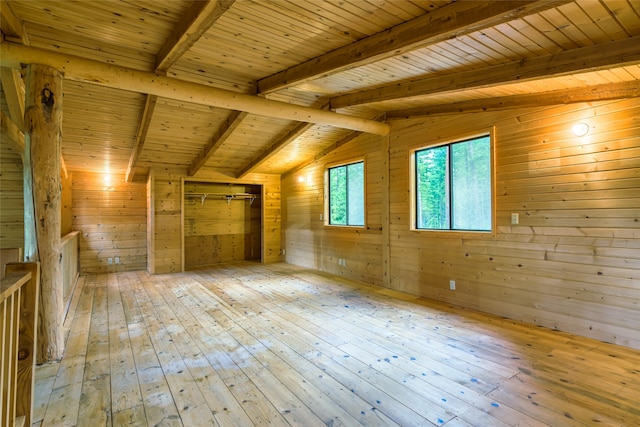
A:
(18, 335)
(69, 246)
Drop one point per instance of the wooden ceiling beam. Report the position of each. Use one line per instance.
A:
(13, 85)
(618, 53)
(275, 148)
(602, 92)
(198, 18)
(108, 75)
(13, 88)
(143, 129)
(348, 138)
(12, 26)
(12, 134)
(233, 121)
(447, 22)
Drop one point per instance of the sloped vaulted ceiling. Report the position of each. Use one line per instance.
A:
(350, 65)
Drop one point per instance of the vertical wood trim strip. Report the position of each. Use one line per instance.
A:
(386, 235)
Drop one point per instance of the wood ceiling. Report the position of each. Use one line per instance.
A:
(377, 60)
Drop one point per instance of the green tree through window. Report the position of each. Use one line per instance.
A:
(453, 186)
(346, 194)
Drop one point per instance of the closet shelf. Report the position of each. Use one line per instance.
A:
(226, 196)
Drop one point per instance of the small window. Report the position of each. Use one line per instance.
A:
(346, 194)
(453, 186)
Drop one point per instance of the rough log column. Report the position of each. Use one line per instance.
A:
(43, 121)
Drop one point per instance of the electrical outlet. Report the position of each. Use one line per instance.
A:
(117, 259)
(452, 285)
(284, 252)
(320, 217)
(515, 218)
(109, 261)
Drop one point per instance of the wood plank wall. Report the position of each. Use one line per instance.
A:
(573, 262)
(164, 228)
(165, 219)
(309, 243)
(217, 230)
(11, 199)
(271, 207)
(113, 221)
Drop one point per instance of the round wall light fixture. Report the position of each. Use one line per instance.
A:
(580, 129)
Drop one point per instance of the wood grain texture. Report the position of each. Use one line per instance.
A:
(11, 198)
(43, 121)
(571, 263)
(249, 344)
(112, 220)
(217, 230)
(21, 353)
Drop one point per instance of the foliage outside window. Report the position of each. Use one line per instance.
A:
(346, 194)
(453, 187)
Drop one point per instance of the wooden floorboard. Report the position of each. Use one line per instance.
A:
(248, 344)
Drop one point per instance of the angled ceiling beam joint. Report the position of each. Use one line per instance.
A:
(348, 138)
(281, 143)
(13, 87)
(143, 129)
(12, 27)
(13, 134)
(233, 121)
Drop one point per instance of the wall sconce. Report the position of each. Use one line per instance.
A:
(580, 129)
(302, 179)
(107, 183)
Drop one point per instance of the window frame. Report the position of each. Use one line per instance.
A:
(413, 192)
(327, 207)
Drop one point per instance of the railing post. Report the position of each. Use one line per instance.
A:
(28, 335)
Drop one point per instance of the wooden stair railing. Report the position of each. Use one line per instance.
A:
(18, 334)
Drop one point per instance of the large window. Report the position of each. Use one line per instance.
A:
(346, 194)
(453, 186)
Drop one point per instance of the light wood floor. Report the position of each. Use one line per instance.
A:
(248, 344)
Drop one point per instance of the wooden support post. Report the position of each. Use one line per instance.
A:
(43, 121)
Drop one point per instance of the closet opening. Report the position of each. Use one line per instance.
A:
(222, 223)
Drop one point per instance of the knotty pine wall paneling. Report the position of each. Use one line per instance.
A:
(166, 217)
(308, 242)
(112, 218)
(573, 261)
(165, 230)
(11, 198)
(271, 227)
(217, 230)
